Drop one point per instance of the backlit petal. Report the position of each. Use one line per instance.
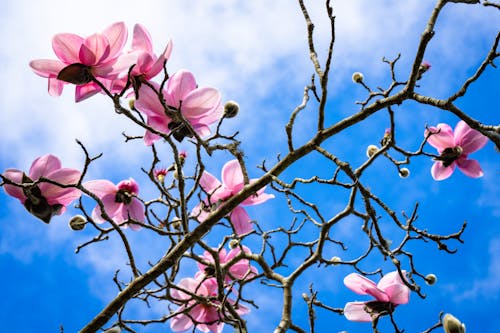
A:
(101, 187)
(355, 311)
(46, 67)
(141, 39)
(469, 139)
(67, 47)
(200, 102)
(232, 176)
(364, 286)
(240, 220)
(17, 177)
(470, 168)
(440, 172)
(442, 137)
(178, 86)
(95, 50)
(43, 166)
(117, 37)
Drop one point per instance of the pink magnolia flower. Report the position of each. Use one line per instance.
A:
(119, 202)
(232, 183)
(79, 57)
(44, 200)
(388, 293)
(199, 106)
(454, 148)
(240, 270)
(147, 64)
(206, 317)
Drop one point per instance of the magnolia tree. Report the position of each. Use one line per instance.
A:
(200, 214)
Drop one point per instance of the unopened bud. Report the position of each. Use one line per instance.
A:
(404, 172)
(452, 324)
(131, 104)
(430, 279)
(336, 260)
(77, 222)
(233, 243)
(357, 77)
(305, 297)
(231, 109)
(371, 150)
(176, 223)
(115, 329)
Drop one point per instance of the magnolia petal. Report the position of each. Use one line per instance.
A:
(158, 123)
(355, 311)
(85, 91)
(101, 187)
(113, 209)
(209, 183)
(232, 176)
(59, 195)
(258, 198)
(180, 322)
(67, 47)
(469, 139)
(178, 86)
(158, 65)
(190, 285)
(240, 221)
(148, 102)
(55, 86)
(200, 102)
(141, 39)
(46, 67)
(17, 177)
(394, 287)
(43, 166)
(201, 129)
(442, 137)
(135, 210)
(470, 168)
(440, 172)
(212, 321)
(364, 286)
(116, 35)
(94, 50)
(210, 117)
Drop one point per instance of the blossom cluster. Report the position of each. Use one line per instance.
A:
(198, 297)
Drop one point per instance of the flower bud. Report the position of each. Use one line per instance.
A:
(357, 77)
(430, 279)
(77, 222)
(131, 104)
(452, 324)
(233, 243)
(114, 329)
(336, 260)
(231, 109)
(371, 150)
(404, 172)
(176, 223)
(305, 297)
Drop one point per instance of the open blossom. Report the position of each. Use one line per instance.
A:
(199, 106)
(79, 57)
(240, 270)
(44, 200)
(206, 317)
(119, 202)
(232, 183)
(388, 293)
(454, 148)
(146, 64)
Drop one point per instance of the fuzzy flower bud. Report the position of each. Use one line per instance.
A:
(371, 150)
(452, 324)
(404, 172)
(233, 243)
(424, 67)
(336, 260)
(131, 104)
(77, 222)
(231, 109)
(430, 279)
(160, 174)
(357, 77)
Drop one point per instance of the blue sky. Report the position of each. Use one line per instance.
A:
(256, 53)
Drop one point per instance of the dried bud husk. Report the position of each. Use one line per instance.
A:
(76, 74)
(452, 324)
(231, 109)
(115, 329)
(77, 222)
